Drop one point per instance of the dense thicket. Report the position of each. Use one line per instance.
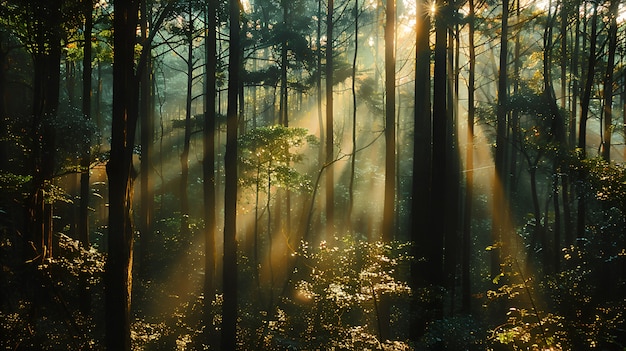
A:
(341, 174)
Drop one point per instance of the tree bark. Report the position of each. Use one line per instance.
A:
(354, 110)
(118, 271)
(390, 123)
(608, 82)
(47, 61)
(500, 181)
(466, 240)
(584, 114)
(184, 156)
(435, 230)
(229, 307)
(208, 164)
(422, 163)
(147, 137)
(85, 189)
(330, 174)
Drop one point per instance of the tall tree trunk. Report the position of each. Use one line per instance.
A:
(608, 82)
(229, 307)
(354, 110)
(390, 123)
(330, 174)
(318, 83)
(574, 69)
(47, 61)
(85, 189)
(422, 162)
(387, 232)
(584, 114)
(147, 137)
(451, 239)
(284, 93)
(499, 196)
(208, 164)
(184, 156)
(435, 229)
(466, 240)
(118, 270)
(4, 145)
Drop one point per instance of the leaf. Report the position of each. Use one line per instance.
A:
(497, 278)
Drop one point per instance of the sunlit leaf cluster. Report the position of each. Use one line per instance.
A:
(268, 157)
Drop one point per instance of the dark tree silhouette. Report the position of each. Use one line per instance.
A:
(330, 177)
(208, 161)
(229, 307)
(118, 272)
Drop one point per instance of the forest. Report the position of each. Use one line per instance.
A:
(312, 175)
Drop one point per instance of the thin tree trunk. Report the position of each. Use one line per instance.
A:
(208, 165)
(354, 110)
(608, 82)
(85, 190)
(147, 137)
(435, 232)
(184, 156)
(330, 174)
(229, 307)
(469, 173)
(500, 180)
(390, 125)
(584, 106)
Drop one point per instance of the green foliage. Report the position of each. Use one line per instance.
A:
(453, 333)
(606, 182)
(337, 301)
(267, 157)
(39, 310)
(10, 182)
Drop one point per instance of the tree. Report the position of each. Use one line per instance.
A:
(466, 240)
(189, 34)
(46, 52)
(146, 116)
(435, 241)
(356, 12)
(421, 190)
(584, 106)
(267, 155)
(390, 122)
(208, 160)
(121, 174)
(85, 189)
(500, 176)
(120, 170)
(229, 307)
(330, 177)
(608, 82)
